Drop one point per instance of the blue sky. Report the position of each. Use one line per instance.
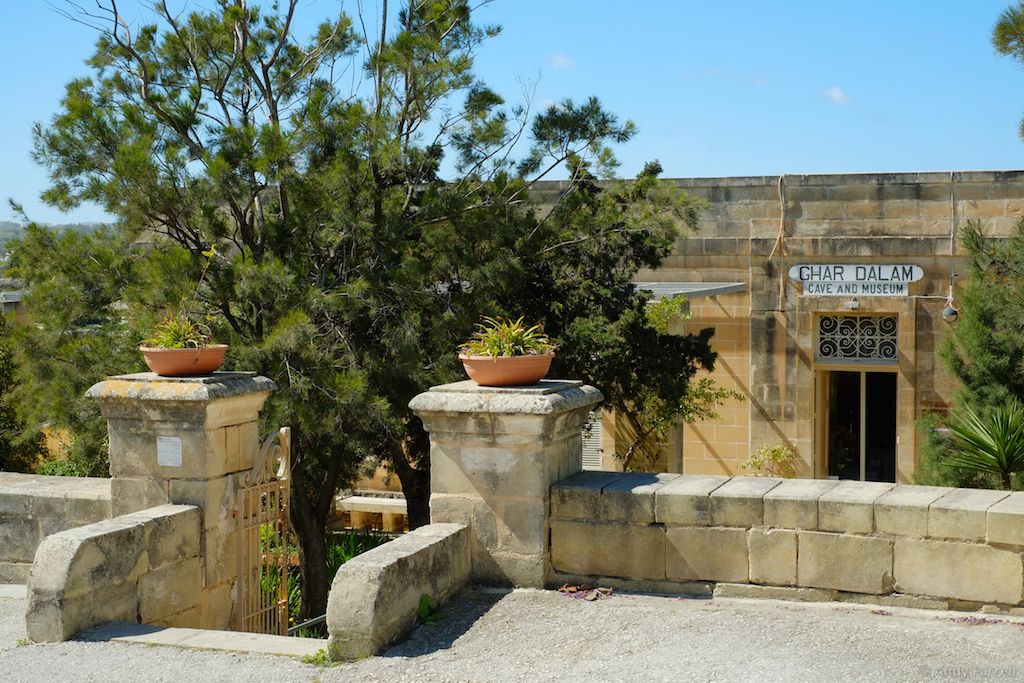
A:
(716, 89)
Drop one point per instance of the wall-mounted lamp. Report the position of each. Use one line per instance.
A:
(950, 314)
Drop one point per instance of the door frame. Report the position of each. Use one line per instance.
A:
(822, 407)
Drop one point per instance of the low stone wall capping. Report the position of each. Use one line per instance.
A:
(141, 567)
(34, 506)
(375, 597)
(952, 548)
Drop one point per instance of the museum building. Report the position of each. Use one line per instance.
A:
(830, 295)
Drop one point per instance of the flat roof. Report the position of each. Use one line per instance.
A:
(691, 290)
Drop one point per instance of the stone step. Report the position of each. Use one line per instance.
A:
(194, 638)
(13, 590)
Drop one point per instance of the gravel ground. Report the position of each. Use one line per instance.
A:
(531, 635)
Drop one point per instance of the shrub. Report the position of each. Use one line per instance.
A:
(934, 467)
(772, 460)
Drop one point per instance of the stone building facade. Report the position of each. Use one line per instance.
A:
(841, 364)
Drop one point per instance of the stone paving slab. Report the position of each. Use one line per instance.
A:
(230, 641)
(14, 590)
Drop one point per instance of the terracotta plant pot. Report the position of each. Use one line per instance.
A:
(506, 371)
(184, 362)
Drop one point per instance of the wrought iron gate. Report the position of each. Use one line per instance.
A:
(265, 550)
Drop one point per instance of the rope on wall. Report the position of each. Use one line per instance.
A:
(780, 242)
(952, 232)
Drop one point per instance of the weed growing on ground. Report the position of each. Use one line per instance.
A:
(320, 659)
(428, 615)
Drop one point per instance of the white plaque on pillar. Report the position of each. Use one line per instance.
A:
(168, 451)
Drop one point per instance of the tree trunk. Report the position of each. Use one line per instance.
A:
(311, 531)
(1007, 483)
(412, 466)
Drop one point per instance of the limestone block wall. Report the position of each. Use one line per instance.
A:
(34, 506)
(721, 445)
(886, 543)
(375, 597)
(757, 227)
(210, 426)
(143, 567)
(494, 454)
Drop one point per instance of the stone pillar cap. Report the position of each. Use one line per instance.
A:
(547, 397)
(149, 386)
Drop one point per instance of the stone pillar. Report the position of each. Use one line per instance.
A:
(187, 440)
(494, 454)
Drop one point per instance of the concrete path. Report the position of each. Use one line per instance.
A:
(530, 635)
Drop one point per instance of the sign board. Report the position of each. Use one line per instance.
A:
(852, 279)
(168, 451)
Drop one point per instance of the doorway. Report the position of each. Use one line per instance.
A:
(860, 424)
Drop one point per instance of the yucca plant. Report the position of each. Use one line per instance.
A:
(992, 442)
(503, 337)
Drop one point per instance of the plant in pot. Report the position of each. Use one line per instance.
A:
(505, 352)
(181, 347)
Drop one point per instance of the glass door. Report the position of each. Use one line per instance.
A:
(861, 425)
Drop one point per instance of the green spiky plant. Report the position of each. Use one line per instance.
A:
(180, 331)
(503, 337)
(991, 442)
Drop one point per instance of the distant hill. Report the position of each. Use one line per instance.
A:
(9, 230)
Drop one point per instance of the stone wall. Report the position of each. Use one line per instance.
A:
(494, 454)
(209, 426)
(141, 567)
(375, 597)
(885, 543)
(35, 506)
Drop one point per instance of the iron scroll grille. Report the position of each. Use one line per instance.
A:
(265, 547)
(858, 339)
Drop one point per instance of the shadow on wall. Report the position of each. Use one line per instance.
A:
(455, 619)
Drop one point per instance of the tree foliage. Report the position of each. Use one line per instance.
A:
(985, 348)
(21, 449)
(369, 202)
(1008, 37)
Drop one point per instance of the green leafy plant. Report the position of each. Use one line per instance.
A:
(992, 442)
(321, 659)
(180, 331)
(772, 460)
(426, 614)
(661, 313)
(504, 337)
(341, 548)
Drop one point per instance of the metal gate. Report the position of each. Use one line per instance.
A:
(265, 550)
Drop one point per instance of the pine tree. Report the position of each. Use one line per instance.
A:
(985, 348)
(360, 233)
(20, 449)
